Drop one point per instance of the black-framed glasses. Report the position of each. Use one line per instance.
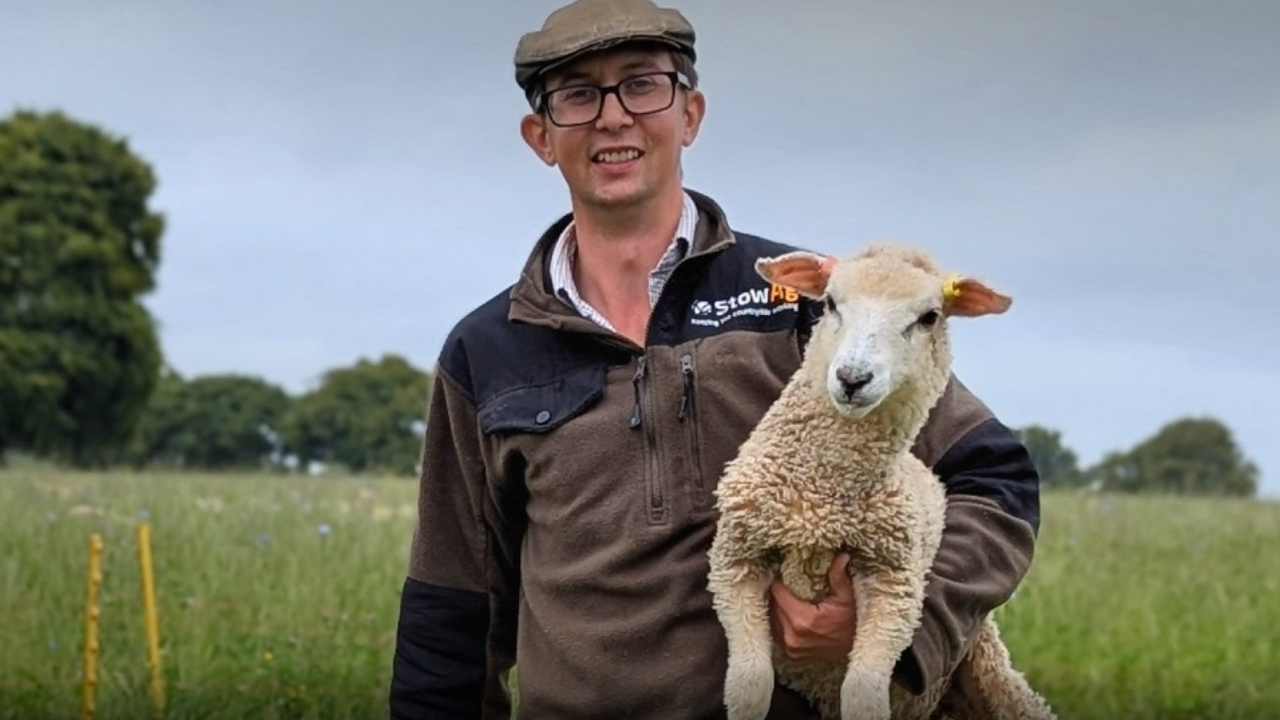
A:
(642, 94)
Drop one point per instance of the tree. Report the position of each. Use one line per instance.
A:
(1190, 456)
(367, 417)
(78, 248)
(1056, 463)
(213, 422)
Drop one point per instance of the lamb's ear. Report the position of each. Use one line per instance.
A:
(805, 272)
(967, 297)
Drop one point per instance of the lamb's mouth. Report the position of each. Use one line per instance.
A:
(855, 408)
(859, 404)
(619, 156)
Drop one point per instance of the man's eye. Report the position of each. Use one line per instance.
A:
(639, 86)
(578, 96)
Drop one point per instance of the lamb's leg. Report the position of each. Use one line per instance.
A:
(739, 598)
(888, 605)
(987, 687)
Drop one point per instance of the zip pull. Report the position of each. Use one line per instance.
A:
(636, 416)
(686, 369)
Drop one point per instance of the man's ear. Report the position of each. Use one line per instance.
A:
(805, 272)
(536, 134)
(967, 297)
(695, 109)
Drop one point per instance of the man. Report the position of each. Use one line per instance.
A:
(581, 418)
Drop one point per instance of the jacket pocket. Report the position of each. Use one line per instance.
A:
(544, 406)
(688, 417)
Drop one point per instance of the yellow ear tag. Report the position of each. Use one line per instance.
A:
(951, 288)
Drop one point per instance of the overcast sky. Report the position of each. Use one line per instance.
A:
(343, 179)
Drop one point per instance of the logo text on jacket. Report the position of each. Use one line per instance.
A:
(757, 302)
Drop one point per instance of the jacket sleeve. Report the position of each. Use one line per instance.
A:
(453, 640)
(992, 518)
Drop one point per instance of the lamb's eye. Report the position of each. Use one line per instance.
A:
(831, 305)
(928, 319)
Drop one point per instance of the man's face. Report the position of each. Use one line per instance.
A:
(620, 159)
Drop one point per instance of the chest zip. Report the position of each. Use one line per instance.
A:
(688, 417)
(644, 411)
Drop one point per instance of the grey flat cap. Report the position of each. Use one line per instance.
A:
(588, 25)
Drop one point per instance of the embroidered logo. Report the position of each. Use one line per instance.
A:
(756, 302)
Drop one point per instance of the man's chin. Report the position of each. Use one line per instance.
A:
(617, 195)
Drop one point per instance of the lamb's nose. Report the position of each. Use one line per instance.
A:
(852, 382)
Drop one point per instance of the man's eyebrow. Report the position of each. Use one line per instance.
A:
(575, 77)
(641, 64)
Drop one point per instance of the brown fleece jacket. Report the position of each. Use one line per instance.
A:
(566, 505)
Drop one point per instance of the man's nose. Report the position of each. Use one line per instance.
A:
(612, 114)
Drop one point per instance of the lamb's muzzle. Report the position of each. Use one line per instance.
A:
(852, 382)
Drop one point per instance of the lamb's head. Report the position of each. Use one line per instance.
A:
(884, 332)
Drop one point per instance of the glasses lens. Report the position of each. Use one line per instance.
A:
(574, 105)
(647, 93)
(640, 95)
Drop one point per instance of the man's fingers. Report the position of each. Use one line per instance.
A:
(783, 595)
(786, 620)
(838, 577)
(781, 610)
(793, 612)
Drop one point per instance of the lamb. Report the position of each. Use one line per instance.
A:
(829, 468)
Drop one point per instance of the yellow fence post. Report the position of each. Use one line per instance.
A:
(152, 620)
(91, 613)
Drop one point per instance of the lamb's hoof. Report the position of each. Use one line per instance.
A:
(748, 689)
(864, 697)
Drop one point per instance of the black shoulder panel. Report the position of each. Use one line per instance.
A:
(723, 292)
(532, 377)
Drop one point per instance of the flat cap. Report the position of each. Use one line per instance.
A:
(588, 25)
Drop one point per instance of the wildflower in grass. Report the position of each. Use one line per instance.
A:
(212, 504)
(262, 539)
(144, 515)
(324, 529)
(268, 656)
(51, 516)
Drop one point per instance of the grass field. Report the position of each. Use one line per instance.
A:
(278, 599)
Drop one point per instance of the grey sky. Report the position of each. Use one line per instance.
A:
(343, 180)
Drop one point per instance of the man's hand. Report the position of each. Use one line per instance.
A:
(822, 631)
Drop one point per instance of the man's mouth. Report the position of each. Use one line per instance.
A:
(616, 156)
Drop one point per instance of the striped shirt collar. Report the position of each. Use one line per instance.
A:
(564, 255)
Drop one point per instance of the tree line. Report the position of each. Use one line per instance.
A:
(1188, 456)
(83, 379)
(364, 418)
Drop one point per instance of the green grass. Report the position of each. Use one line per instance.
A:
(1135, 608)
(1152, 608)
(263, 613)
